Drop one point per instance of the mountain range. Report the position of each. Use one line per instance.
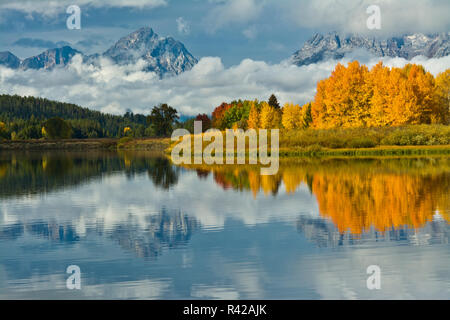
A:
(334, 46)
(164, 55)
(167, 56)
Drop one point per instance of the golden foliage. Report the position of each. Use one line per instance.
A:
(358, 195)
(383, 201)
(253, 118)
(441, 104)
(270, 118)
(353, 96)
(292, 116)
(126, 130)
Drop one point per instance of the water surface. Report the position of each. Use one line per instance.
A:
(141, 228)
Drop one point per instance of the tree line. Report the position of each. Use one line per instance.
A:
(352, 97)
(24, 118)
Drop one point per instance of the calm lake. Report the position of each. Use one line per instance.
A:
(140, 228)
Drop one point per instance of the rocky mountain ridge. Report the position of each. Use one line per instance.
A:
(164, 55)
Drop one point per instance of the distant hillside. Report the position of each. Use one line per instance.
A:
(25, 116)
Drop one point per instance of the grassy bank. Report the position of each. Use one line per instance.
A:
(150, 144)
(366, 152)
(71, 144)
(355, 138)
(144, 144)
(388, 141)
(361, 142)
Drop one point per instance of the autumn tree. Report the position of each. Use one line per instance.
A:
(383, 91)
(292, 116)
(343, 99)
(353, 96)
(127, 131)
(218, 115)
(417, 93)
(441, 106)
(206, 121)
(3, 131)
(253, 118)
(270, 117)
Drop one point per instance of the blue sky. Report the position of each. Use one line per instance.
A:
(242, 47)
(255, 34)
(231, 29)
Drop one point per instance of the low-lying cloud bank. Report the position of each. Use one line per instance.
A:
(114, 89)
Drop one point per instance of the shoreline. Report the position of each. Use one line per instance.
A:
(144, 144)
(163, 144)
(70, 144)
(366, 152)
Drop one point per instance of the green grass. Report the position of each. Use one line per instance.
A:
(360, 142)
(418, 135)
(150, 144)
(367, 152)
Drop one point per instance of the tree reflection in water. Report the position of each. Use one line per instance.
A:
(358, 199)
(356, 195)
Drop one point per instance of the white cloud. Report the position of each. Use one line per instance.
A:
(397, 16)
(328, 273)
(233, 12)
(53, 7)
(183, 26)
(112, 88)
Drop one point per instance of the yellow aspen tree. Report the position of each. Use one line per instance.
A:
(276, 118)
(420, 85)
(253, 118)
(342, 100)
(379, 78)
(319, 106)
(265, 120)
(292, 116)
(441, 105)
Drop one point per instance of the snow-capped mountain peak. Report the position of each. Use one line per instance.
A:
(335, 46)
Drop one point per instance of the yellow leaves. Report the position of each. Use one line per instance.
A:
(356, 195)
(126, 130)
(441, 105)
(266, 116)
(353, 96)
(384, 200)
(44, 132)
(292, 116)
(253, 118)
(269, 118)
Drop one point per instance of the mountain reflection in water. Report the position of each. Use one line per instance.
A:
(356, 195)
(221, 231)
